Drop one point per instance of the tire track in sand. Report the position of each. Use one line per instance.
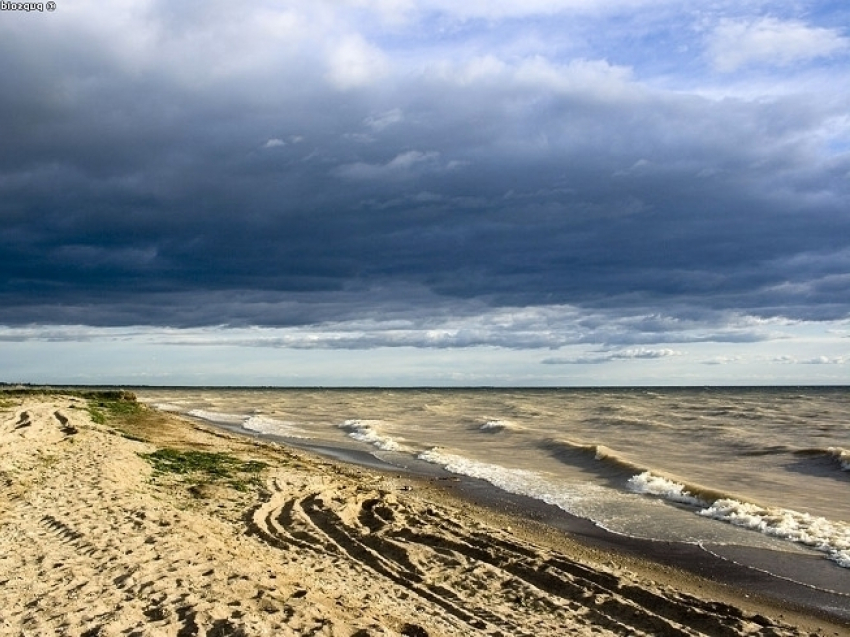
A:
(456, 569)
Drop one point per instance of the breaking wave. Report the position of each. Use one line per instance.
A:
(517, 481)
(266, 425)
(368, 431)
(258, 423)
(495, 426)
(839, 456)
(649, 484)
(167, 407)
(830, 537)
(843, 457)
(218, 416)
(595, 457)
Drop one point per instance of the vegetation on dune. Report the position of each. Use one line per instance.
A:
(115, 407)
(102, 411)
(119, 410)
(205, 467)
(109, 395)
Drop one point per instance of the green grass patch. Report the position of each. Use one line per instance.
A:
(115, 410)
(105, 406)
(207, 467)
(103, 410)
(97, 415)
(112, 395)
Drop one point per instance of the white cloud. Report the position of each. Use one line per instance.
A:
(595, 79)
(640, 353)
(274, 143)
(498, 9)
(734, 43)
(826, 360)
(380, 121)
(389, 11)
(487, 346)
(354, 62)
(403, 165)
(784, 358)
(722, 360)
(814, 360)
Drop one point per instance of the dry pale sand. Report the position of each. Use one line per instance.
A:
(95, 543)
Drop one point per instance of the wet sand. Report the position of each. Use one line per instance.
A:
(99, 543)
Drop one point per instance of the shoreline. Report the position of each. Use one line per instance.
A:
(107, 544)
(826, 591)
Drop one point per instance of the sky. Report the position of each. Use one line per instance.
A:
(400, 192)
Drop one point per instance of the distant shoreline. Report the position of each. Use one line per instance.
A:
(60, 387)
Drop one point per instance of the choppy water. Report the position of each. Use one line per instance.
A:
(757, 467)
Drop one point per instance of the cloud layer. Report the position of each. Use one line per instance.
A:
(328, 164)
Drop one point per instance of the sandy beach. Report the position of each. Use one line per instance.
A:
(120, 520)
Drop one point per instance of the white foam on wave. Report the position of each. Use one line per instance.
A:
(494, 474)
(517, 481)
(832, 538)
(497, 425)
(166, 407)
(368, 431)
(608, 508)
(218, 416)
(267, 425)
(258, 423)
(649, 484)
(842, 455)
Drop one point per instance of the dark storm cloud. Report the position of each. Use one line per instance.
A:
(298, 179)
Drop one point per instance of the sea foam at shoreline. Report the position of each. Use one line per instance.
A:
(756, 467)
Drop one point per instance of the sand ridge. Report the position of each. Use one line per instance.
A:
(94, 543)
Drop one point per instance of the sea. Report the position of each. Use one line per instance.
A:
(720, 468)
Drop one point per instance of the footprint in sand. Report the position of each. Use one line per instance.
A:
(23, 420)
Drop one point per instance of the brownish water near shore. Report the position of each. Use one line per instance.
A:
(752, 468)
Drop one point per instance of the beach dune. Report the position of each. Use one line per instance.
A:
(119, 520)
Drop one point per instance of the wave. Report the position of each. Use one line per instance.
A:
(368, 431)
(647, 483)
(775, 450)
(218, 416)
(507, 479)
(843, 457)
(265, 425)
(597, 458)
(835, 454)
(830, 537)
(495, 426)
(260, 424)
(167, 407)
(608, 463)
(667, 487)
(641, 479)
(626, 422)
(517, 481)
